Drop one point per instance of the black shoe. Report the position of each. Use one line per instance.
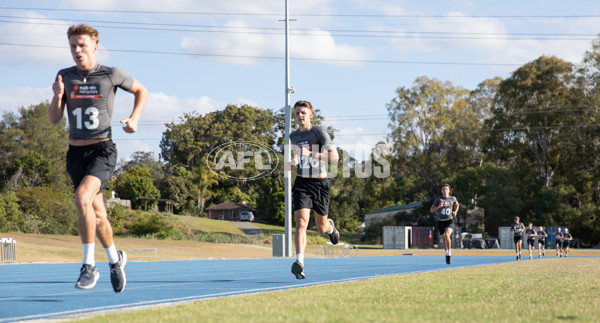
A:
(88, 277)
(117, 274)
(517, 257)
(334, 237)
(298, 270)
(448, 260)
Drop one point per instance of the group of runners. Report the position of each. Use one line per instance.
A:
(563, 239)
(87, 92)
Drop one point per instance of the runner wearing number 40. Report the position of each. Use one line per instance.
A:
(446, 207)
(87, 90)
(312, 149)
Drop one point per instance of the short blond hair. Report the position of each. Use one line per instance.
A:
(83, 29)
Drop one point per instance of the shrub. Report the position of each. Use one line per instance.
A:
(47, 211)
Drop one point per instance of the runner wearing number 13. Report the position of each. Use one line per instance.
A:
(88, 92)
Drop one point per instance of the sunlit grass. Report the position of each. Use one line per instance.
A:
(545, 290)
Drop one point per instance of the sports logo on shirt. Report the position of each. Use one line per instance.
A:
(86, 91)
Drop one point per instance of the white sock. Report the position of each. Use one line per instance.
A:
(448, 252)
(330, 231)
(300, 258)
(88, 253)
(112, 254)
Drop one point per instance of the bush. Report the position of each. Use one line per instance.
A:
(47, 211)
(115, 213)
(10, 214)
(157, 225)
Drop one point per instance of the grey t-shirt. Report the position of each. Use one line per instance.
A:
(90, 98)
(316, 140)
(445, 213)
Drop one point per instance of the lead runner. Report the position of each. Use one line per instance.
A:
(88, 92)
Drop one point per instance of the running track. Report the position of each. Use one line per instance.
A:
(46, 291)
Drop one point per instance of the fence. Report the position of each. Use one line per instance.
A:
(8, 250)
(339, 250)
(149, 253)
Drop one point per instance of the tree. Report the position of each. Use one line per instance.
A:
(181, 190)
(534, 108)
(205, 179)
(29, 137)
(136, 183)
(144, 159)
(270, 203)
(432, 123)
(33, 170)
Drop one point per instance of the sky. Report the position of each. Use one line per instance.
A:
(346, 57)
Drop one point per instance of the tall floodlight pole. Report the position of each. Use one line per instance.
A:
(287, 177)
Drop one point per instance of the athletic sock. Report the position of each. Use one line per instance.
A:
(300, 258)
(331, 231)
(448, 252)
(88, 253)
(113, 256)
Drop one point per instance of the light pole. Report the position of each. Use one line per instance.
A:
(287, 175)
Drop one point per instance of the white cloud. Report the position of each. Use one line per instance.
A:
(34, 39)
(245, 45)
(11, 99)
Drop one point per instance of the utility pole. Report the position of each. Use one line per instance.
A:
(287, 174)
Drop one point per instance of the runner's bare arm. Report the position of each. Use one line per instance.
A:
(57, 106)
(141, 96)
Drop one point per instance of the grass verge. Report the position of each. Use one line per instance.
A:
(549, 290)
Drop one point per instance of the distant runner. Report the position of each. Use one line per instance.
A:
(517, 229)
(446, 208)
(542, 242)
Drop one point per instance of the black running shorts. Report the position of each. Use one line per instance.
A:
(530, 242)
(542, 242)
(442, 225)
(565, 244)
(311, 193)
(517, 238)
(98, 160)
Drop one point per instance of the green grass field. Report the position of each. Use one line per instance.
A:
(549, 290)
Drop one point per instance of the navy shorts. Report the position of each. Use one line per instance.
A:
(442, 225)
(311, 193)
(566, 244)
(530, 242)
(98, 160)
(542, 242)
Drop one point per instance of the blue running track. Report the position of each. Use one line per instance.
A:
(46, 291)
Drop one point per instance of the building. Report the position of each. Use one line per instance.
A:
(229, 211)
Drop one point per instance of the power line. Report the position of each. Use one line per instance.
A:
(305, 14)
(273, 57)
(349, 33)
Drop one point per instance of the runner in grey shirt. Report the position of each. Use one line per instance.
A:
(87, 90)
(90, 98)
(312, 148)
(315, 140)
(445, 207)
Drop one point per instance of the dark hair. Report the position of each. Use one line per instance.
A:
(450, 187)
(306, 104)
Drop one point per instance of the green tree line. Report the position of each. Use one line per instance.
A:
(526, 146)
